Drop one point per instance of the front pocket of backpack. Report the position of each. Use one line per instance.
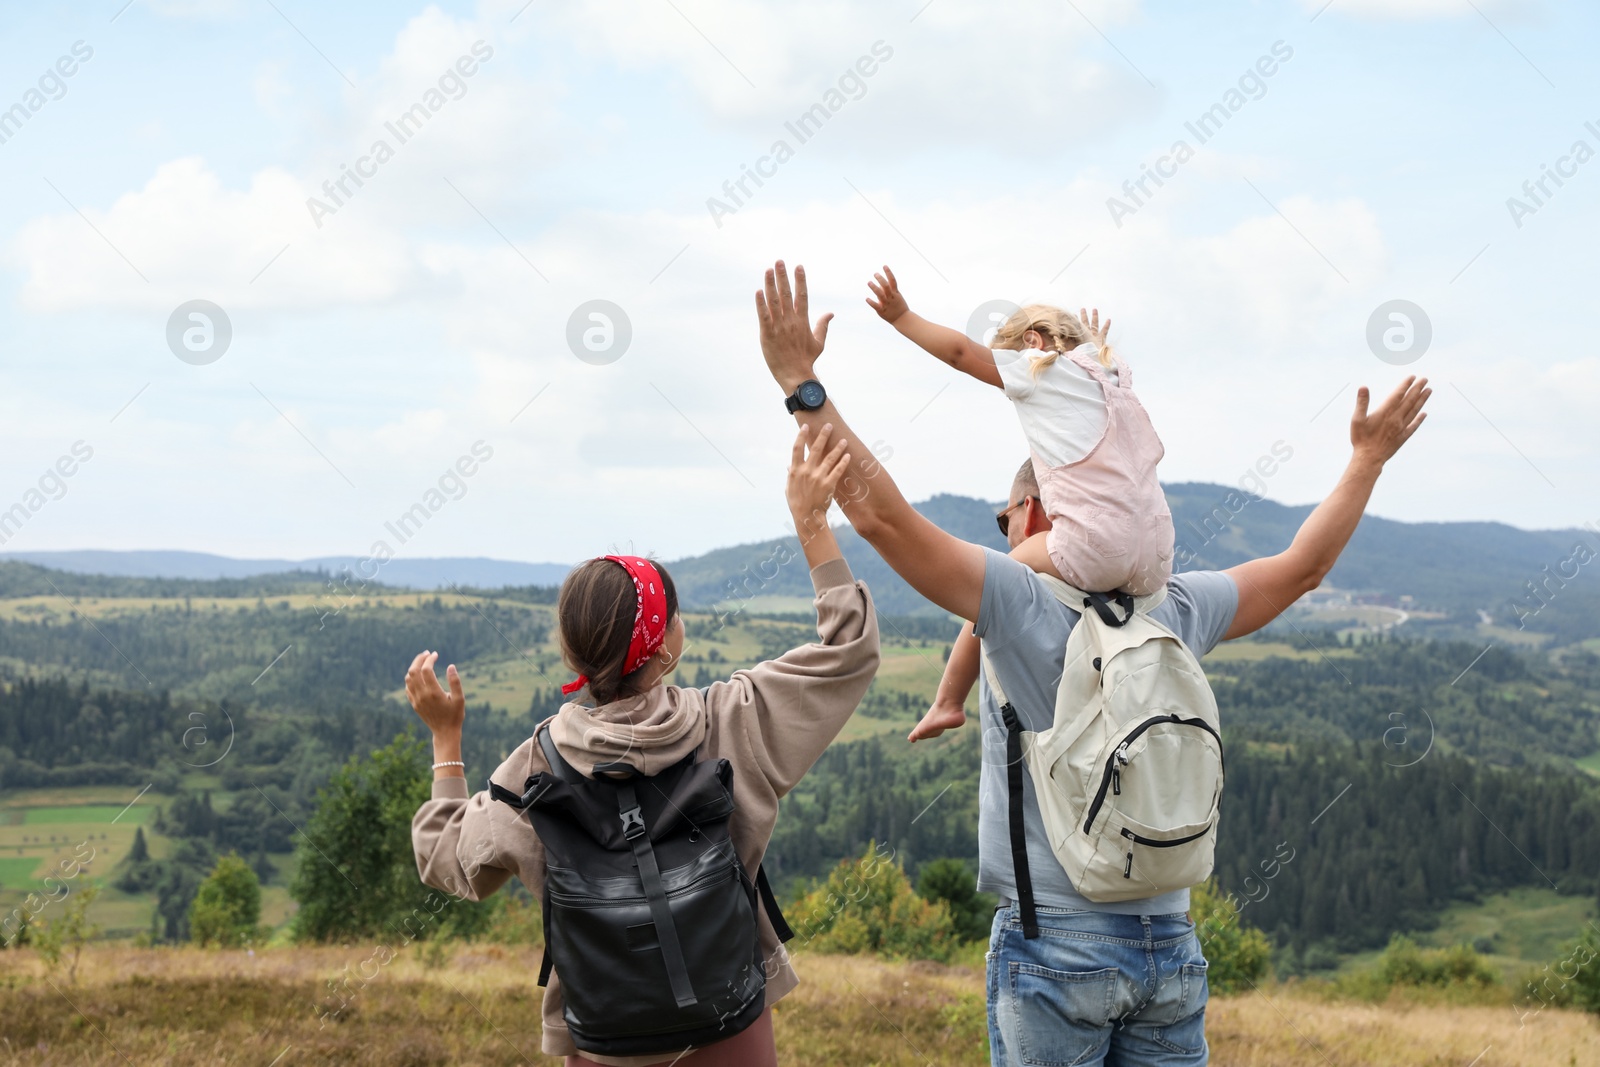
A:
(614, 978)
(1162, 860)
(1172, 779)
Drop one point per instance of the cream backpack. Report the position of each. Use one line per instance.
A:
(1129, 775)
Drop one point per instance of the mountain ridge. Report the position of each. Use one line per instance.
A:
(1533, 578)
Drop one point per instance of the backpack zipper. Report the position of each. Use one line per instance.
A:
(1127, 868)
(1139, 840)
(1121, 753)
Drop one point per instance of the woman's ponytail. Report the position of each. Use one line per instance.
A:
(595, 616)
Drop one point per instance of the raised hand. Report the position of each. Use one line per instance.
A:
(1378, 436)
(1091, 322)
(789, 343)
(814, 473)
(889, 305)
(441, 712)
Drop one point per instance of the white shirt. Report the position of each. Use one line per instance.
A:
(1062, 411)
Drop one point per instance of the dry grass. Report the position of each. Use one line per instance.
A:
(189, 1006)
(192, 1006)
(1279, 1026)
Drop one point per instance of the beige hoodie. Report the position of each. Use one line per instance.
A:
(771, 722)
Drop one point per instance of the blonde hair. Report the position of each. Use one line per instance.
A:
(1062, 333)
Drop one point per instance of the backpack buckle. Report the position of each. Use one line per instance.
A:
(1008, 715)
(632, 823)
(1101, 603)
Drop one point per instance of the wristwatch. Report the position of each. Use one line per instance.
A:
(808, 397)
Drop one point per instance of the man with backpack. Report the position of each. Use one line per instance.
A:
(1082, 969)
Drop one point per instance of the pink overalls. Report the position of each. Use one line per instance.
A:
(1110, 526)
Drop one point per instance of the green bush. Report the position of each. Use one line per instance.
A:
(1403, 963)
(517, 920)
(1571, 980)
(1238, 954)
(867, 906)
(356, 875)
(1458, 971)
(954, 882)
(227, 907)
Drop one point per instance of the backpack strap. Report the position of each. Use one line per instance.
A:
(546, 958)
(655, 893)
(558, 766)
(1101, 603)
(1019, 829)
(780, 925)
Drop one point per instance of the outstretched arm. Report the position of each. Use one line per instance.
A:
(950, 346)
(945, 569)
(1268, 586)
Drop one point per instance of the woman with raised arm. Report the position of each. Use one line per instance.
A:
(735, 747)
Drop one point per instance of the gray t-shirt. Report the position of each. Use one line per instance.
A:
(1024, 630)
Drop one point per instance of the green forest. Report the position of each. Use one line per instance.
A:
(1374, 780)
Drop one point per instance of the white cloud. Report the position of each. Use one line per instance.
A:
(960, 71)
(188, 236)
(197, 9)
(1389, 10)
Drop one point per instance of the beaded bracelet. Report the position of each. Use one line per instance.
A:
(450, 763)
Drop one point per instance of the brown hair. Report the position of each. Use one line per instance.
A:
(1026, 480)
(595, 614)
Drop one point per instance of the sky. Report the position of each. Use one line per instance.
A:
(424, 334)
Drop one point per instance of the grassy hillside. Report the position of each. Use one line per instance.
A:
(477, 1006)
(1511, 929)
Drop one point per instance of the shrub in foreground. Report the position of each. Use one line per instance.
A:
(867, 905)
(1238, 954)
(954, 882)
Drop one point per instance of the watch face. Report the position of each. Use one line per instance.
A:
(812, 395)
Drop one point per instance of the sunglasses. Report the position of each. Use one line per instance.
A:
(1003, 520)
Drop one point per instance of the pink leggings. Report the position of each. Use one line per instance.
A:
(753, 1047)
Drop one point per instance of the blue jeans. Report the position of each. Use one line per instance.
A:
(1096, 989)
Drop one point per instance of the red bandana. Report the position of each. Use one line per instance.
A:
(649, 617)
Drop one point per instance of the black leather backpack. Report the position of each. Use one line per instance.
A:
(649, 917)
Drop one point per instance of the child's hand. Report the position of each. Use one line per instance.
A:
(813, 477)
(941, 717)
(890, 305)
(1097, 333)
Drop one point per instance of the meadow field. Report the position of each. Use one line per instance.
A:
(478, 1005)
